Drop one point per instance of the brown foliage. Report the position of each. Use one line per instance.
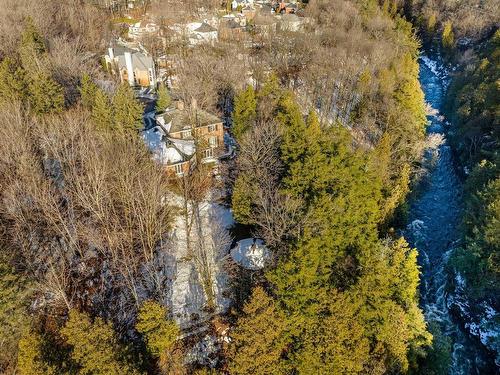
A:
(84, 211)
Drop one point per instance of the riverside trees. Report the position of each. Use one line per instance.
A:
(337, 284)
(335, 262)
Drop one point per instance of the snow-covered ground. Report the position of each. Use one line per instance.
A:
(250, 253)
(196, 262)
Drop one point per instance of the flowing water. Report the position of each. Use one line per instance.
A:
(434, 229)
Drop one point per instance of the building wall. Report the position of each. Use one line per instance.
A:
(141, 77)
(205, 132)
(173, 169)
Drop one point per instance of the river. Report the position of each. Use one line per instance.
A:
(434, 229)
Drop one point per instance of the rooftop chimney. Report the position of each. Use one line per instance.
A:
(111, 53)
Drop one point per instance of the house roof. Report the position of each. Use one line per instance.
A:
(231, 23)
(205, 28)
(180, 119)
(139, 61)
(167, 150)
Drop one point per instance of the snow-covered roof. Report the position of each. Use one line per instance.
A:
(167, 150)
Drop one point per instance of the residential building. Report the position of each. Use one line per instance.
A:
(180, 133)
(233, 28)
(142, 28)
(133, 66)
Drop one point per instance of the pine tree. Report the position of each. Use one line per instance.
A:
(88, 91)
(102, 115)
(30, 359)
(12, 81)
(387, 295)
(32, 47)
(242, 199)
(431, 23)
(15, 293)
(341, 204)
(95, 346)
(306, 170)
(292, 123)
(259, 339)
(127, 111)
(164, 100)
(448, 37)
(159, 333)
(334, 341)
(245, 112)
(45, 95)
(268, 97)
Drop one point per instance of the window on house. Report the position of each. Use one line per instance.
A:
(212, 128)
(208, 153)
(178, 169)
(186, 134)
(212, 141)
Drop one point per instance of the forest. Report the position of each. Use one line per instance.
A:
(327, 129)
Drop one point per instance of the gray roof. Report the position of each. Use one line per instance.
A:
(232, 24)
(181, 120)
(205, 28)
(139, 61)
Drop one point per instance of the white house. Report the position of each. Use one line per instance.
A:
(141, 28)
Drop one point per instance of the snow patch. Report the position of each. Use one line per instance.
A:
(251, 253)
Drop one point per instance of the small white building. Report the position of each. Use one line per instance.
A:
(142, 28)
(203, 34)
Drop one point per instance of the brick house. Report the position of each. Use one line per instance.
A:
(133, 66)
(184, 137)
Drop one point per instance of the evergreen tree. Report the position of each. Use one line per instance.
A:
(259, 339)
(387, 296)
(95, 346)
(431, 23)
(15, 293)
(307, 166)
(88, 91)
(334, 342)
(127, 111)
(45, 95)
(438, 358)
(31, 358)
(32, 47)
(448, 37)
(245, 112)
(290, 118)
(159, 333)
(12, 80)
(268, 98)
(102, 114)
(164, 100)
(242, 199)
